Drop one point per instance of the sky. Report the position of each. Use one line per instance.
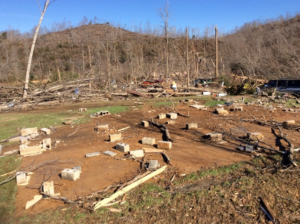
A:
(23, 15)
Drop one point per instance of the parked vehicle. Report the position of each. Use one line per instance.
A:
(285, 84)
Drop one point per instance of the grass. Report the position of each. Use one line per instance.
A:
(212, 103)
(215, 172)
(111, 109)
(8, 190)
(12, 124)
(292, 102)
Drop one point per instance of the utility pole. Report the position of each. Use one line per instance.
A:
(187, 57)
(216, 38)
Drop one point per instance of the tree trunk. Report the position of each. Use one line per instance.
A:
(31, 51)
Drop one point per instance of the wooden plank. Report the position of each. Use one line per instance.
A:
(129, 187)
(153, 150)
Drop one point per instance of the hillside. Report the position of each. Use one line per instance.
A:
(257, 49)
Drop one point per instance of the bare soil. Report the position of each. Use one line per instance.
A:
(188, 153)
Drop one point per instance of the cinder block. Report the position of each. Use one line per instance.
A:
(153, 165)
(109, 153)
(70, 174)
(77, 168)
(223, 112)
(215, 137)
(289, 122)
(191, 125)
(23, 140)
(164, 145)
(46, 144)
(101, 113)
(161, 116)
(145, 124)
(102, 127)
(148, 141)
(31, 150)
(46, 131)
(92, 154)
(238, 108)
(82, 109)
(256, 136)
(171, 122)
(123, 147)
(137, 153)
(172, 115)
(115, 137)
(198, 106)
(48, 188)
(21, 178)
(29, 131)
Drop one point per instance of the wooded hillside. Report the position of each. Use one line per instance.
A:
(265, 50)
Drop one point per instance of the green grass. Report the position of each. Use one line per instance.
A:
(212, 103)
(11, 124)
(111, 109)
(210, 172)
(9, 189)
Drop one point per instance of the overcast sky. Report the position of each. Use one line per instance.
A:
(226, 14)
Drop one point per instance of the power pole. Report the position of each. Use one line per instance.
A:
(216, 38)
(187, 57)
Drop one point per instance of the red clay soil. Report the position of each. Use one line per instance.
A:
(188, 154)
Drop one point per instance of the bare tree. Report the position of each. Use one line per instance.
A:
(32, 47)
(165, 14)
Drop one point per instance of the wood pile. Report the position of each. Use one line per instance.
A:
(83, 90)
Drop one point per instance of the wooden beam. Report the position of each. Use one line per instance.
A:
(129, 187)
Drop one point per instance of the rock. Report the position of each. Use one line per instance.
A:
(92, 154)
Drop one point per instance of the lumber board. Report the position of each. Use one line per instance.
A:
(129, 187)
(153, 150)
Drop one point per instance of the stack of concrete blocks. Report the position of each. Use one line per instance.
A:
(148, 141)
(161, 116)
(215, 137)
(70, 174)
(153, 165)
(145, 124)
(46, 144)
(137, 153)
(171, 122)
(47, 131)
(48, 188)
(82, 109)
(102, 127)
(92, 154)
(221, 111)
(172, 116)
(115, 137)
(255, 136)
(21, 178)
(164, 145)
(191, 126)
(30, 150)
(123, 147)
(289, 122)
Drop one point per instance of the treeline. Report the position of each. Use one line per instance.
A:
(262, 49)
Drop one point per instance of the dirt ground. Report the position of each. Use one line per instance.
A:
(188, 153)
